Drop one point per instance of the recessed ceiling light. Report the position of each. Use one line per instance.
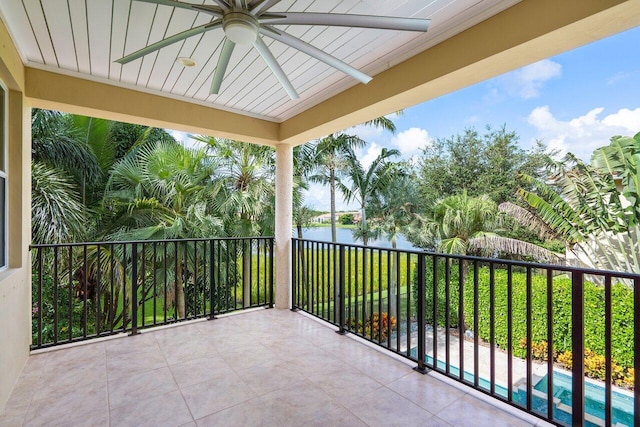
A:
(186, 62)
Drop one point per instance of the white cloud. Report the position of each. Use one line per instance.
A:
(411, 141)
(628, 119)
(528, 81)
(585, 133)
(618, 77)
(367, 158)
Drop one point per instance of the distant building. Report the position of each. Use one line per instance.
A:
(326, 217)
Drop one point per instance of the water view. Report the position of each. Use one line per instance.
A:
(345, 235)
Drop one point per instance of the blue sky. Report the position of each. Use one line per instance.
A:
(573, 102)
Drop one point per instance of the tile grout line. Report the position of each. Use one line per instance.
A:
(193, 419)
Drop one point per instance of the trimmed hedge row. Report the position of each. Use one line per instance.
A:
(594, 328)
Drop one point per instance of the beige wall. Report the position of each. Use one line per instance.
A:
(15, 288)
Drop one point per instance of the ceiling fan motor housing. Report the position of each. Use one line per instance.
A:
(240, 27)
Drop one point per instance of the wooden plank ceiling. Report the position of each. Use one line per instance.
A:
(84, 37)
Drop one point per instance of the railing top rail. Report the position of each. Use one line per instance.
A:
(583, 270)
(129, 242)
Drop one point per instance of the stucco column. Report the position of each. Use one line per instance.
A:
(284, 219)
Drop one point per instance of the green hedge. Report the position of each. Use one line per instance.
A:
(454, 274)
(622, 313)
(594, 328)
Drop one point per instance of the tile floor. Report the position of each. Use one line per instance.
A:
(265, 367)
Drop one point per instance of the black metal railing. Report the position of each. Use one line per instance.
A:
(561, 343)
(88, 290)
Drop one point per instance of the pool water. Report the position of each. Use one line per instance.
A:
(468, 376)
(622, 404)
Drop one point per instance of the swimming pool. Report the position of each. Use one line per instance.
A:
(621, 404)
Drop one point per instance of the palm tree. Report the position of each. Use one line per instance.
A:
(303, 158)
(244, 180)
(61, 162)
(244, 193)
(465, 225)
(364, 185)
(394, 212)
(57, 142)
(163, 191)
(331, 154)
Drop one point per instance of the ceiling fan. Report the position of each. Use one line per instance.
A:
(243, 21)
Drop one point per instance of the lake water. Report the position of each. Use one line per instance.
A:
(344, 235)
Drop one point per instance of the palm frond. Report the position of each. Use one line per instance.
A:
(492, 244)
(57, 216)
(528, 220)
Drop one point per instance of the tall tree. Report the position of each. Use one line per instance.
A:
(244, 182)
(303, 164)
(364, 185)
(478, 163)
(331, 160)
(395, 209)
(394, 212)
(61, 164)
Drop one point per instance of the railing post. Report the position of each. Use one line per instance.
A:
(212, 282)
(271, 262)
(341, 293)
(421, 320)
(577, 347)
(39, 296)
(636, 349)
(134, 289)
(294, 275)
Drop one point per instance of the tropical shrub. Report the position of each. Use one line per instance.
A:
(595, 364)
(375, 326)
(346, 219)
(68, 309)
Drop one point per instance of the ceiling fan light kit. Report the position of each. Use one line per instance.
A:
(244, 22)
(240, 28)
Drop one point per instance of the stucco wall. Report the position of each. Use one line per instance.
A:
(15, 289)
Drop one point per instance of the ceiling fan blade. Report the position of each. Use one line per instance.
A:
(168, 41)
(314, 52)
(346, 20)
(266, 54)
(221, 68)
(263, 5)
(172, 3)
(223, 4)
(211, 10)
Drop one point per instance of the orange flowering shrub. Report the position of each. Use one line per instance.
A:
(595, 365)
(376, 326)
